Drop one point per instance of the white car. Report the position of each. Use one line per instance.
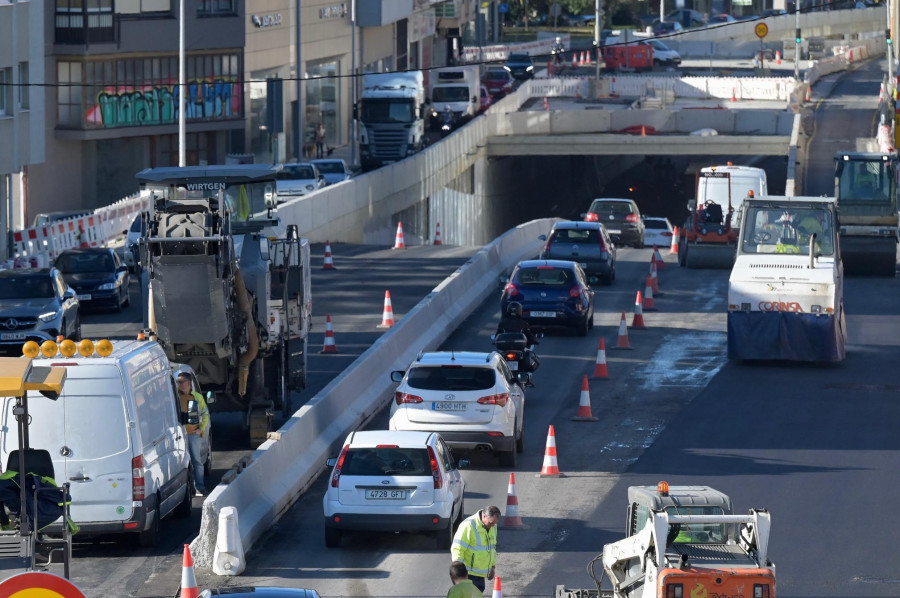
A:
(388, 481)
(663, 54)
(335, 170)
(658, 231)
(473, 399)
(298, 179)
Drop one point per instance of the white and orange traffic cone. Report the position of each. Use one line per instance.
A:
(657, 257)
(437, 234)
(673, 248)
(546, 103)
(328, 264)
(189, 587)
(550, 468)
(600, 370)
(622, 339)
(512, 519)
(638, 321)
(584, 404)
(777, 56)
(498, 588)
(733, 95)
(329, 346)
(654, 279)
(387, 317)
(649, 304)
(808, 97)
(574, 59)
(398, 241)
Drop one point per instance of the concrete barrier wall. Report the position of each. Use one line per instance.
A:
(282, 469)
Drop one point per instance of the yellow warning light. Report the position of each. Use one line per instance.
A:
(104, 348)
(67, 348)
(750, 193)
(85, 347)
(662, 488)
(49, 348)
(31, 349)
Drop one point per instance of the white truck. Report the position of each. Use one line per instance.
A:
(786, 290)
(454, 88)
(391, 115)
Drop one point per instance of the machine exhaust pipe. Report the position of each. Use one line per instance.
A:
(246, 358)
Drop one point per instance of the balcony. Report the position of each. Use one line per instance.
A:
(84, 27)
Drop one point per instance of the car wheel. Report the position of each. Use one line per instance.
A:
(332, 537)
(149, 538)
(184, 507)
(520, 441)
(581, 329)
(127, 301)
(682, 254)
(76, 335)
(591, 322)
(508, 459)
(639, 244)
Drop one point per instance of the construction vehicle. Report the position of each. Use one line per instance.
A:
(709, 236)
(865, 184)
(684, 541)
(786, 290)
(391, 117)
(223, 293)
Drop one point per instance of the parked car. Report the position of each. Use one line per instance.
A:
(48, 217)
(663, 54)
(520, 65)
(37, 305)
(484, 99)
(298, 179)
(499, 82)
(472, 399)
(335, 170)
(587, 243)
(98, 275)
(722, 18)
(687, 17)
(658, 231)
(552, 293)
(773, 12)
(666, 28)
(622, 219)
(395, 481)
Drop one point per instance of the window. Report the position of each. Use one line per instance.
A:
(6, 92)
(23, 86)
(68, 94)
(215, 7)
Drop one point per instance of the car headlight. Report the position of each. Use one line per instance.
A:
(508, 70)
(49, 316)
(309, 187)
(529, 69)
(107, 286)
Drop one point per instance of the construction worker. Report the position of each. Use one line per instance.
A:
(197, 433)
(475, 544)
(462, 585)
(804, 225)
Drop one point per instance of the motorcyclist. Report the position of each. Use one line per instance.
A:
(558, 50)
(513, 322)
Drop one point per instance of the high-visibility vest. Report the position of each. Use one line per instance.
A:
(475, 546)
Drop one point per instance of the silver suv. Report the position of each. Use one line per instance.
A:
(37, 305)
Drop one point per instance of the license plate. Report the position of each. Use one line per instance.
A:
(543, 314)
(513, 365)
(12, 336)
(84, 297)
(614, 231)
(385, 494)
(448, 406)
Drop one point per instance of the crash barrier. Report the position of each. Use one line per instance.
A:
(538, 48)
(285, 466)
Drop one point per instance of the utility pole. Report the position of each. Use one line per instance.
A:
(353, 88)
(298, 120)
(182, 88)
(598, 27)
(797, 40)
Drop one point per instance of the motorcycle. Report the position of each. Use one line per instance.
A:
(446, 121)
(513, 346)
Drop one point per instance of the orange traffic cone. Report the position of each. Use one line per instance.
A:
(583, 61)
(512, 520)
(673, 249)
(437, 234)
(777, 56)
(654, 279)
(387, 317)
(550, 468)
(649, 304)
(622, 340)
(328, 264)
(808, 97)
(584, 404)
(398, 242)
(657, 257)
(330, 346)
(733, 95)
(574, 59)
(600, 370)
(546, 103)
(498, 588)
(638, 321)
(189, 587)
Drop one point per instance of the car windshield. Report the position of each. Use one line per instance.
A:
(375, 110)
(519, 58)
(777, 230)
(26, 287)
(451, 378)
(543, 276)
(80, 263)
(295, 173)
(659, 46)
(699, 533)
(496, 76)
(572, 235)
(382, 461)
(450, 94)
(331, 167)
(621, 208)
(656, 224)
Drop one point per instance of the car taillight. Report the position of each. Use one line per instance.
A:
(511, 356)
(632, 218)
(591, 217)
(435, 470)
(666, 234)
(575, 291)
(510, 290)
(336, 474)
(497, 399)
(405, 397)
(137, 479)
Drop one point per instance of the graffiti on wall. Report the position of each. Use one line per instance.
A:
(215, 99)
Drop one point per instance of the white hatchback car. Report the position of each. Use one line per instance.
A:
(473, 399)
(298, 179)
(658, 231)
(394, 482)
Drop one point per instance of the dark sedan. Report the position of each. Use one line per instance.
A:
(622, 219)
(552, 293)
(520, 66)
(97, 275)
(587, 243)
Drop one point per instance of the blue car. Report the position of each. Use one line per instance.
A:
(552, 293)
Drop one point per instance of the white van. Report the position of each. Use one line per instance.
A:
(115, 435)
(730, 185)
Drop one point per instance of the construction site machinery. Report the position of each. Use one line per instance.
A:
(786, 290)
(684, 541)
(865, 184)
(709, 236)
(222, 291)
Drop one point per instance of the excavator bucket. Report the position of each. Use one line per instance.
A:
(717, 256)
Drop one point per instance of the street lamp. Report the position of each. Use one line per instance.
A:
(181, 86)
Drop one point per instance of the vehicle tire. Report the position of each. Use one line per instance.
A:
(332, 537)
(207, 467)
(444, 537)
(118, 306)
(520, 441)
(76, 336)
(591, 322)
(581, 329)
(508, 459)
(184, 507)
(639, 244)
(127, 301)
(682, 253)
(149, 538)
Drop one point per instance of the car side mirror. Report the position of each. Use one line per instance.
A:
(582, 215)
(522, 377)
(691, 204)
(542, 237)
(462, 463)
(503, 280)
(331, 461)
(474, 99)
(397, 375)
(210, 397)
(68, 294)
(193, 413)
